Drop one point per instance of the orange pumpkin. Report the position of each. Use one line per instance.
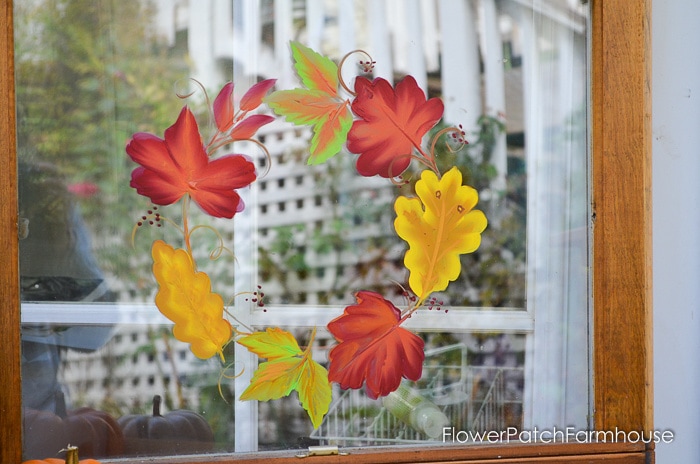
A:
(71, 458)
(177, 432)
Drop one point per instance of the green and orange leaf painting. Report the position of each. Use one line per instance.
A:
(287, 369)
(319, 104)
(373, 348)
(185, 297)
(439, 225)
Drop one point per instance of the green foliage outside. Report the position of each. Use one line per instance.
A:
(90, 73)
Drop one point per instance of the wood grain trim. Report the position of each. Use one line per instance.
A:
(10, 398)
(514, 453)
(622, 271)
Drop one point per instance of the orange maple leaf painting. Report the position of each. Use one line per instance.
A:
(373, 349)
(179, 165)
(392, 124)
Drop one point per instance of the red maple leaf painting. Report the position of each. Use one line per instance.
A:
(392, 123)
(178, 165)
(373, 348)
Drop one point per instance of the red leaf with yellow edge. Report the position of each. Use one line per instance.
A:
(373, 348)
(185, 297)
(318, 105)
(439, 225)
(287, 369)
(392, 124)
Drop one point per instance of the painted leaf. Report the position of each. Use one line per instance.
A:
(318, 105)
(247, 128)
(314, 390)
(223, 108)
(392, 123)
(274, 343)
(315, 71)
(439, 225)
(178, 165)
(185, 297)
(287, 369)
(255, 94)
(373, 348)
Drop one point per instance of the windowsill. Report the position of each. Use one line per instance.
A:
(512, 453)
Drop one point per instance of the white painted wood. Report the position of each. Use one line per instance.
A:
(413, 43)
(200, 43)
(346, 25)
(347, 41)
(534, 386)
(247, 49)
(457, 319)
(430, 35)
(244, 227)
(461, 79)
(494, 85)
(399, 34)
(283, 34)
(245, 248)
(557, 285)
(315, 17)
(380, 40)
(675, 87)
(221, 28)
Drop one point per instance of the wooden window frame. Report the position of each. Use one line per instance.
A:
(622, 298)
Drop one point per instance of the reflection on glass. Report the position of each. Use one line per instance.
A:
(506, 344)
(57, 265)
(470, 382)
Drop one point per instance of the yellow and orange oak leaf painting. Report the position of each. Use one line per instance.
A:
(439, 226)
(185, 297)
(373, 349)
(287, 369)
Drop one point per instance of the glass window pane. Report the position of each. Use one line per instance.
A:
(505, 343)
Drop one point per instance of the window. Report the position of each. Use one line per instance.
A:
(620, 250)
